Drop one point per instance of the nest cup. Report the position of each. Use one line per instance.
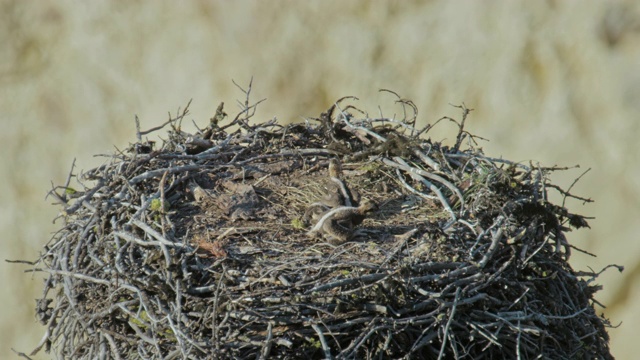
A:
(196, 248)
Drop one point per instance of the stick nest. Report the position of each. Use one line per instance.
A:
(195, 249)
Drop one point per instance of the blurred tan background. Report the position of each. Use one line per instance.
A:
(552, 81)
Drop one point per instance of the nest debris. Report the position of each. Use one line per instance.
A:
(196, 249)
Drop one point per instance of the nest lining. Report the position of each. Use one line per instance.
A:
(196, 249)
